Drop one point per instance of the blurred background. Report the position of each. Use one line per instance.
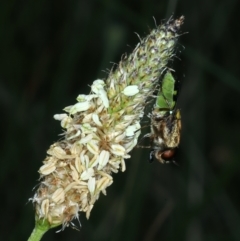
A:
(51, 51)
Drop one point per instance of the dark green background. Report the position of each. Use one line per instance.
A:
(50, 51)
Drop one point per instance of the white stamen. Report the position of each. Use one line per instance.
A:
(103, 159)
(118, 150)
(81, 106)
(96, 120)
(91, 184)
(87, 174)
(131, 90)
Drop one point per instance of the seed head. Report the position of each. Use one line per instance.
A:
(100, 130)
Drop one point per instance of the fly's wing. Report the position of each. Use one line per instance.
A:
(165, 98)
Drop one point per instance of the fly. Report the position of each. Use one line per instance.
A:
(165, 123)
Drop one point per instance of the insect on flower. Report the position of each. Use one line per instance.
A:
(165, 123)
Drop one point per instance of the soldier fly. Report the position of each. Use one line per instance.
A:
(165, 123)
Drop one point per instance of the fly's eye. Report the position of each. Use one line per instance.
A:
(166, 155)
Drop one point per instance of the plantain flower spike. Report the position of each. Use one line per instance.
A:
(100, 130)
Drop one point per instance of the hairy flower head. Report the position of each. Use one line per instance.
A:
(101, 129)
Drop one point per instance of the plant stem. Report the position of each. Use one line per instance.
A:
(38, 231)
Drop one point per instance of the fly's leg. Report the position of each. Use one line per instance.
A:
(151, 156)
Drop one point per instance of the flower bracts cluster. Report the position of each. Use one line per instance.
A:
(101, 129)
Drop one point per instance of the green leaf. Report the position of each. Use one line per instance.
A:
(165, 98)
